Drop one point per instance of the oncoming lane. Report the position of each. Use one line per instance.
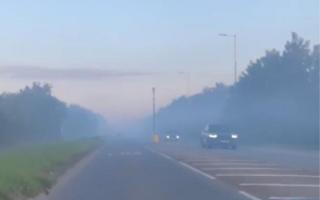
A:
(257, 179)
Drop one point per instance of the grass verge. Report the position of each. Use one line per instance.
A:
(26, 172)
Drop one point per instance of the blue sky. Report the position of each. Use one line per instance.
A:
(138, 44)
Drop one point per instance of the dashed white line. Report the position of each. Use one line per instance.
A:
(268, 175)
(249, 196)
(135, 153)
(279, 185)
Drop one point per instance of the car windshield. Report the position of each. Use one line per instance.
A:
(218, 128)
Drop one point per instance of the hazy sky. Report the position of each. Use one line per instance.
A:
(106, 55)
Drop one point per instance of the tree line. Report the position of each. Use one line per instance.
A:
(276, 100)
(33, 114)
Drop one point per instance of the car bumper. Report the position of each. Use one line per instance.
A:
(221, 141)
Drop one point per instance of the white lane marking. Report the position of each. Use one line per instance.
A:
(249, 196)
(135, 153)
(240, 168)
(279, 185)
(268, 175)
(197, 170)
(216, 160)
(291, 198)
(164, 155)
(235, 164)
(185, 165)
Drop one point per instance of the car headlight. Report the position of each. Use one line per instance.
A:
(168, 136)
(234, 136)
(213, 135)
(177, 137)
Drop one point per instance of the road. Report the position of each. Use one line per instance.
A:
(130, 170)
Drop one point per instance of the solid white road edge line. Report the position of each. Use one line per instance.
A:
(249, 196)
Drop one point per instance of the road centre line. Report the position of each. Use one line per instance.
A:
(165, 156)
(235, 164)
(161, 154)
(216, 160)
(279, 185)
(136, 153)
(185, 165)
(127, 153)
(249, 196)
(268, 175)
(197, 170)
(239, 168)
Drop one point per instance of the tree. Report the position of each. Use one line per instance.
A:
(276, 98)
(81, 122)
(34, 115)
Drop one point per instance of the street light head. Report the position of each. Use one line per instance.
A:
(223, 34)
(227, 35)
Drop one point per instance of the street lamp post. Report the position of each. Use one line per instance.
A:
(234, 36)
(155, 136)
(154, 110)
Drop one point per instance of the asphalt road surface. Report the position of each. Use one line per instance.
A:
(126, 170)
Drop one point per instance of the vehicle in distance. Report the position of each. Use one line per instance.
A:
(215, 135)
(172, 137)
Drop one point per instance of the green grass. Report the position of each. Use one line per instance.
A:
(25, 172)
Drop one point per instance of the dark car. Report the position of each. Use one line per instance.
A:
(218, 136)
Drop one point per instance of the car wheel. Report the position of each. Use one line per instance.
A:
(205, 144)
(202, 143)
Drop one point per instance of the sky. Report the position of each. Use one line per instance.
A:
(106, 55)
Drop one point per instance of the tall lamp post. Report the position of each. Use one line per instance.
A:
(155, 136)
(154, 110)
(234, 36)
